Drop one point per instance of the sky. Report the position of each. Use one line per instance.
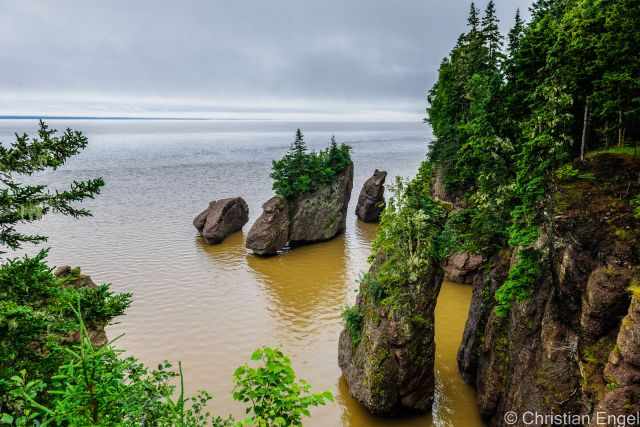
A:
(268, 59)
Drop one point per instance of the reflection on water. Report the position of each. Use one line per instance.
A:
(211, 306)
(306, 286)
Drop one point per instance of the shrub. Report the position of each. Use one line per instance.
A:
(97, 386)
(36, 319)
(353, 319)
(275, 396)
(519, 284)
(301, 171)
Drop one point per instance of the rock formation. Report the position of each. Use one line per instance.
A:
(463, 267)
(573, 346)
(371, 199)
(310, 217)
(387, 349)
(270, 232)
(222, 218)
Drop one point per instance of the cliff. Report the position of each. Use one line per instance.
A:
(573, 346)
(388, 360)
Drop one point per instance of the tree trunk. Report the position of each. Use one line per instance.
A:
(620, 133)
(585, 127)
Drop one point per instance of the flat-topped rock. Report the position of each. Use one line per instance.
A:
(222, 218)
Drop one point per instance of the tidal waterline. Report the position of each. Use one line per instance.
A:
(210, 306)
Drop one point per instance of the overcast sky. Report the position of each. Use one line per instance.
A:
(227, 58)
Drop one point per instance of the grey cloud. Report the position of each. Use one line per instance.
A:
(344, 51)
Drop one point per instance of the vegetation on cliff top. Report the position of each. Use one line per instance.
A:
(51, 373)
(407, 243)
(300, 171)
(505, 120)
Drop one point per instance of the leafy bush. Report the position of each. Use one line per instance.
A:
(408, 237)
(36, 320)
(301, 171)
(635, 204)
(275, 397)
(353, 319)
(97, 386)
(519, 285)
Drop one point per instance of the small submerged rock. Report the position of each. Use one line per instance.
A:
(371, 200)
(222, 218)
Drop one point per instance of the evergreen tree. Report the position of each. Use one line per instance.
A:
(515, 34)
(474, 19)
(22, 203)
(491, 34)
(503, 127)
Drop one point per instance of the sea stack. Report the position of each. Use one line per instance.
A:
(307, 218)
(371, 200)
(222, 218)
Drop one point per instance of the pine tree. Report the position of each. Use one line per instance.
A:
(22, 203)
(491, 33)
(474, 19)
(299, 147)
(515, 34)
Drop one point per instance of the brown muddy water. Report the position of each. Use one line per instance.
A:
(211, 306)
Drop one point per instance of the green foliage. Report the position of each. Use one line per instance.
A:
(568, 172)
(406, 247)
(353, 320)
(635, 204)
(507, 124)
(519, 285)
(97, 386)
(301, 171)
(36, 320)
(23, 203)
(51, 373)
(275, 396)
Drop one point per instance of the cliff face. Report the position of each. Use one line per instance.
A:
(573, 347)
(310, 217)
(389, 367)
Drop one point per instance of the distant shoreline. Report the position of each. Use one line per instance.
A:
(47, 117)
(211, 119)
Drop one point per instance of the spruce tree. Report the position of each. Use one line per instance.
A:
(515, 34)
(491, 33)
(474, 19)
(22, 203)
